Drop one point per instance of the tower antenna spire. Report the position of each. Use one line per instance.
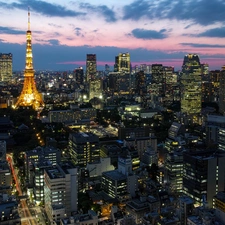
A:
(29, 96)
(28, 18)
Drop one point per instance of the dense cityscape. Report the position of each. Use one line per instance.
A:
(133, 144)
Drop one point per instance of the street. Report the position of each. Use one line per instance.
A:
(24, 211)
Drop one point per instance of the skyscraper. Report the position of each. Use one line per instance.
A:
(5, 66)
(29, 97)
(95, 88)
(91, 67)
(191, 80)
(157, 73)
(171, 86)
(203, 175)
(122, 63)
(158, 78)
(222, 91)
(79, 75)
(141, 83)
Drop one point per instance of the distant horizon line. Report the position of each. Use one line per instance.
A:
(177, 65)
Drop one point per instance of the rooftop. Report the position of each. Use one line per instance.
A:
(54, 173)
(83, 137)
(42, 150)
(66, 166)
(115, 175)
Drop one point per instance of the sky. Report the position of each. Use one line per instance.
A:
(152, 31)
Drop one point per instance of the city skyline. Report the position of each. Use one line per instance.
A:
(157, 31)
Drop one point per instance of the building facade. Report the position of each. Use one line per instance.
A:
(215, 130)
(60, 191)
(38, 185)
(95, 88)
(174, 170)
(220, 206)
(122, 63)
(191, 84)
(84, 148)
(40, 154)
(114, 183)
(91, 67)
(203, 175)
(69, 116)
(78, 75)
(6, 66)
(5, 175)
(158, 78)
(222, 91)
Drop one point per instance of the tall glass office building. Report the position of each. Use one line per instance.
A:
(191, 80)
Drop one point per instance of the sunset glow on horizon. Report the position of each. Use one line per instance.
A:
(157, 31)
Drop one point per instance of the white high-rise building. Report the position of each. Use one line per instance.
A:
(61, 187)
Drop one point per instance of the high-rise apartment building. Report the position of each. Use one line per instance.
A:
(91, 67)
(5, 66)
(191, 84)
(122, 63)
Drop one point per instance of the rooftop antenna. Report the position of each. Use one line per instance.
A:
(28, 18)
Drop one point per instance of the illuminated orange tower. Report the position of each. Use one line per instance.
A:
(29, 97)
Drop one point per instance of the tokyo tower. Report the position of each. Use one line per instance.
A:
(29, 97)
